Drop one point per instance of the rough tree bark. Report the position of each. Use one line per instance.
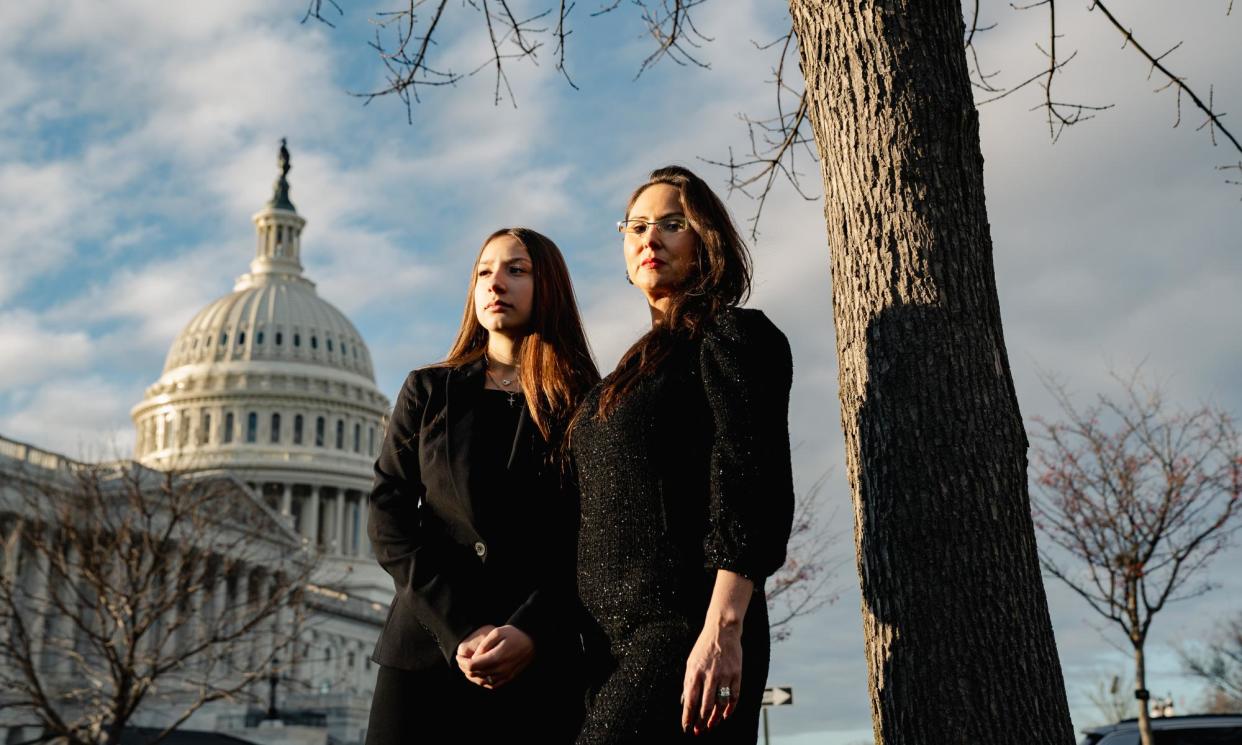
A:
(959, 642)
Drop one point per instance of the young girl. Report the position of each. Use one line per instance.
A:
(470, 516)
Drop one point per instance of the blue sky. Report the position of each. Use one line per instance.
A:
(137, 138)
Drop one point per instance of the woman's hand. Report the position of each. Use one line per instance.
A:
(715, 662)
(495, 655)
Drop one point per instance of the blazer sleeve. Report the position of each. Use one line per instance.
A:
(747, 372)
(437, 577)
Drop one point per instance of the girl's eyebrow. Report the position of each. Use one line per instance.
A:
(514, 260)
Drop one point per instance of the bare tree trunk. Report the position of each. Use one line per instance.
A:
(958, 638)
(1140, 689)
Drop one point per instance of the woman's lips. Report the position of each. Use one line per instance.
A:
(651, 263)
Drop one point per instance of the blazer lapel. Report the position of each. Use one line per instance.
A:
(461, 397)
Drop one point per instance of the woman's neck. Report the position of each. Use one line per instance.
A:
(502, 352)
(658, 307)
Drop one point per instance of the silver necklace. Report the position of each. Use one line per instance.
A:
(503, 384)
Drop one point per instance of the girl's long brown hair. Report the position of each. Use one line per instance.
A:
(556, 367)
(720, 279)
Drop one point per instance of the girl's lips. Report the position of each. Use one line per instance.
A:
(651, 263)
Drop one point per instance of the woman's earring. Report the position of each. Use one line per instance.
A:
(627, 278)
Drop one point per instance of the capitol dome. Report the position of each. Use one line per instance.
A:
(273, 384)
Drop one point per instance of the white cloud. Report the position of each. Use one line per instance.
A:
(34, 352)
(83, 417)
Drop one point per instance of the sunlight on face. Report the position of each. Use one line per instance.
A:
(658, 263)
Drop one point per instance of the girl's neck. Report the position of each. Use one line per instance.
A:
(502, 351)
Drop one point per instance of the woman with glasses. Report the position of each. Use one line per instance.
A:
(470, 516)
(682, 456)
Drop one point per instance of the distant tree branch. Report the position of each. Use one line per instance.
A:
(775, 141)
(802, 585)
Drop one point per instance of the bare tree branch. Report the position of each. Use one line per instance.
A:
(775, 142)
(803, 585)
(1213, 117)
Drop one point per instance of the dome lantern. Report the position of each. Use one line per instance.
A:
(279, 228)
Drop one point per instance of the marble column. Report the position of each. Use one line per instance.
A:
(286, 500)
(239, 612)
(338, 533)
(310, 518)
(37, 587)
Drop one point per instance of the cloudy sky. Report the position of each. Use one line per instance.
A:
(137, 138)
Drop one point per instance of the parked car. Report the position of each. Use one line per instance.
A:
(1196, 729)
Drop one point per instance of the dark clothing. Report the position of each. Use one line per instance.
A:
(475, 526)
(440, 707)
(688, 475)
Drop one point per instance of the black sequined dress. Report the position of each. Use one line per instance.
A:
(690, 474)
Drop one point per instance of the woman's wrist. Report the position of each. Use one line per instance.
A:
(727, 621)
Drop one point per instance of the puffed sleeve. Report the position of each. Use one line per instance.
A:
(431, 572)
(747, 371)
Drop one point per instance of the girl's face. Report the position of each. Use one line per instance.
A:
(504, 289)
(658, 260)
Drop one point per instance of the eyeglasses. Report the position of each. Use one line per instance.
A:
(637, 226)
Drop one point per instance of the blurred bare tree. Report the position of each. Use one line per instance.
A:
(1135, 498)
(1113, 700)
(806, 582)
(1218, 662)
(126, 589)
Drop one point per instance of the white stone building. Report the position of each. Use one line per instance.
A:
(272, 386)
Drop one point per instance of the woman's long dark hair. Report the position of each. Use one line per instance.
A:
(719, 278)
(556, 367)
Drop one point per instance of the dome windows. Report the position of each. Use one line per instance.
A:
(258, 337)
(275, 428)
(204, 432)
(340, 434)
(280, 338)
(224, 338)
(314, 342)
(319, 431)
(297, 429)
(241, 338)
(357, 437)
(252, 427)
(329, 344)
(297, 339)
(228, 428)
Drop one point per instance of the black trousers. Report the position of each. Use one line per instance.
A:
(429, 707)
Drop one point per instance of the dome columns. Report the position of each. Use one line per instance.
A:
(279, 248)
(332, 517)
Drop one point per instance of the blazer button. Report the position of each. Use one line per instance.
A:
(480, 549)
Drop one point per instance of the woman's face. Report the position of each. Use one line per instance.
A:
(657, 262)
(504, 289)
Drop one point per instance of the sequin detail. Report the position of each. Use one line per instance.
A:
(690, 474)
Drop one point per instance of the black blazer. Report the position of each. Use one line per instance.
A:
(451, 578)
